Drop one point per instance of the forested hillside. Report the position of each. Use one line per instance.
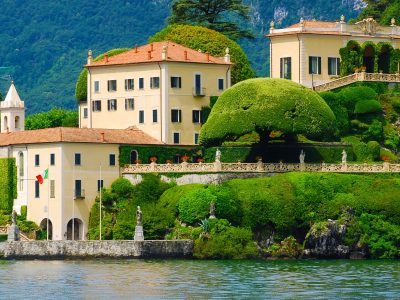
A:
(43, 44)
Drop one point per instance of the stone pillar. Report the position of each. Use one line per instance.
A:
(260, 166)
(13, 230)
(386, 166)
(344, 166)
(217, 166)
(139, 227)
(302, 167)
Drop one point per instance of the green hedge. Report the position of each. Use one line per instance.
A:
(280, 152)
(8, 183)
(367, 106)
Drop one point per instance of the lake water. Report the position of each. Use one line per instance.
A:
(192, 279)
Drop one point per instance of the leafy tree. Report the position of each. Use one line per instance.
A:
(53, 118)
(213, 14)
(207, 40)
(264, 105)
(378, 9)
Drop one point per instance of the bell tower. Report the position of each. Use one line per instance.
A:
(12, 111)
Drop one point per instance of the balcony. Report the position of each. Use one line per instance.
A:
(199, 92)
(79, 194)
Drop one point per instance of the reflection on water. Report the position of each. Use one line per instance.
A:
(190, 279)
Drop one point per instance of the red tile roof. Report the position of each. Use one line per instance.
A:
(78, 135)
(153, 53)
(315, 24)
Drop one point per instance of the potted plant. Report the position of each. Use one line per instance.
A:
(185, 158)
(168, 161)
(153, 158)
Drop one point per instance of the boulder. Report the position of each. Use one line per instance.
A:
(324, 240)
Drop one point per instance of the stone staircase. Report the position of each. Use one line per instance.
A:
(22, 236)
(362, 76)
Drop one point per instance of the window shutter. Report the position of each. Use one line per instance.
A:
(319, 65)
(338, 66)
(126, 84)
(289, 70)
(281, 70)
(180, 116)
(310, 70)
(330, 65)
(179, 82)
(193, 116)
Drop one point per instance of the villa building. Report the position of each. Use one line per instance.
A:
(160, 88)
(79, 161)
(309, 52)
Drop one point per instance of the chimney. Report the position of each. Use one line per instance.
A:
(102, 137)
(208, 56)
(151, 47)
(148, 55)
(227, 57)
(186, 55)
(136, 49)
(164, 54)
(106, 57)
(89, 57)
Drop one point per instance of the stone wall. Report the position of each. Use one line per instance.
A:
(212, 178)
(95, 249)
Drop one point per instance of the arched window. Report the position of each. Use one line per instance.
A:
(5, 124)
(17, 122)
(134, 157)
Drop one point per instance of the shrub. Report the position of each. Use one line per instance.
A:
(374, 132)
(150, 189)
(387, 155)
(213, 42)
(264, 105)
(24, 212)
(396, 103)
(349, 96)
(391, 137)
(341, 114)
(374, 149)
(195, 205)
(367, 106)
(123, 188)
(8, 184)
(53, 118)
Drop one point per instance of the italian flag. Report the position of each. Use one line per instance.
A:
(43, 176)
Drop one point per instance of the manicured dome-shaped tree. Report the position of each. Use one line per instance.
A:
(211, 41)
(264, 105)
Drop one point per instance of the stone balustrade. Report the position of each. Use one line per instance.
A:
(3, 230)
(259, 167)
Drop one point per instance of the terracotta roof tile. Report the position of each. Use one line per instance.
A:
(153, 53)
(78, 135)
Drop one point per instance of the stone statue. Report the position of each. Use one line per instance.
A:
(212, 210)
(302, 156)
(14, 217)
(344, 157)
(138, 217)
(218, 155)
(13, 230)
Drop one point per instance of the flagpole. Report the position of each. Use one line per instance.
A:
(48, 202)
(101, 187)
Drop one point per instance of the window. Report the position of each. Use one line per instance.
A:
(141, 116)
(286, 68)
(333, 66)
(196, 116)
(129, 104)
(176, 137)
(314, 65)
(52, 159)
(112, 85)
(96, 86)
(112, 159)
(196, 138)
(52, 188)
(141, 83)
(221, 84)
(37, 160)
(176, 115)
(176, 82)
(154, 82)
(100, 184)
(77, 159)
(96, 105)
(155, 116)
(112, 104)
(85, 113)
(197, 84)
(37, 189)
(129, 84)
(78, 188)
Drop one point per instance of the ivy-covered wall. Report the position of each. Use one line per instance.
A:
(163, 154)
(8, 184)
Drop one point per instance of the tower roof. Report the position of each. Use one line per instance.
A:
(12, 99)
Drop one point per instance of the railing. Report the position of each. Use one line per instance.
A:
(199, 92)
(260, 167)
(79, 194)
(362, 76)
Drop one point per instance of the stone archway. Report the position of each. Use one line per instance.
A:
(369, 58)
(75, 229)
(384, 59)
(43, 226)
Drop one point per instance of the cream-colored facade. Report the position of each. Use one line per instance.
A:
(169, 109)
(308, 52)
